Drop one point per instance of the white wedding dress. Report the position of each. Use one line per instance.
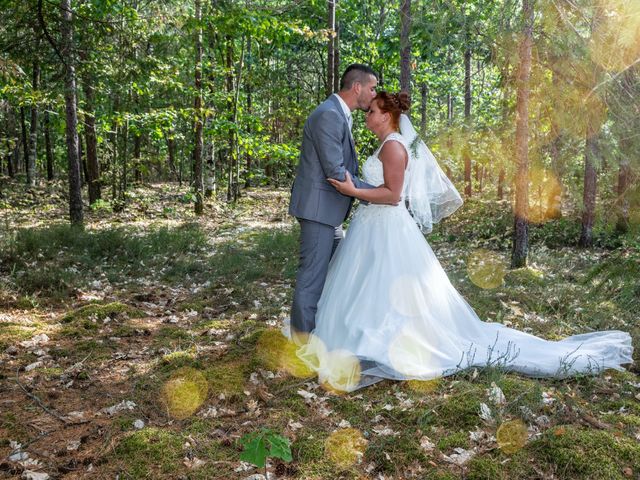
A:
(388, 303)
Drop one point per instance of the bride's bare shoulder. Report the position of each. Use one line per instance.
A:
(393, 150)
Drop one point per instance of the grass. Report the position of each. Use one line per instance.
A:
(576, 452)
(14, 332)
(237, 279)
(88, 319)
(55, 260)
(149, 452)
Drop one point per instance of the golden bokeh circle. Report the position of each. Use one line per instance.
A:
(340, 371)
(269, 349)
(185, 392)
(486, 269)
(424, 386)
(292, 363)
(345, 447)
(545, 195)
(512, 436)
(407, 355)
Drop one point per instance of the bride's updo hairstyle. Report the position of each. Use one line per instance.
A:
(394, 104)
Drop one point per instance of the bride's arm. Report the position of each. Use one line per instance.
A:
(394, 160)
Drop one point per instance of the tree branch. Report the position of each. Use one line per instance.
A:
(46, 33)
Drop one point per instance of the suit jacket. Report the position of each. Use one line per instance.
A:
(327, 152)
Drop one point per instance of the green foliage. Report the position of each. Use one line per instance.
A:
(101, 205)
(257, 446)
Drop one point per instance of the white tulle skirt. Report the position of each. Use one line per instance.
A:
(388, 303)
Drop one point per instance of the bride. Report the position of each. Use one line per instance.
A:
(388, 309)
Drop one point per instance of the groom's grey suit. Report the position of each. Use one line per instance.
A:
(327, 151)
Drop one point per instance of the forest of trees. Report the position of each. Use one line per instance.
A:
(536, 102)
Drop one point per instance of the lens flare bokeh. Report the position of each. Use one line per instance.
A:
(345, 447)
(424, 386)
(511, 436)
(486, 269)
(269, 349)
(407, 355)
(615, 41)
(277, 352)
(185, 392)
(340, 371)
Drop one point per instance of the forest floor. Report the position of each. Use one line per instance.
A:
(142, 346)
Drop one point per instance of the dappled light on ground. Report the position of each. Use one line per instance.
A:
(167, 372)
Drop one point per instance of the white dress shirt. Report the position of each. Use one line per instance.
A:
(346, 110)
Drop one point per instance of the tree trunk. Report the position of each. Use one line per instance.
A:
(521, 221)
(505, 119)
(624, 182)
(211, 184)
(198, 183)
(25, 141)
(171, 151)
(12, 143)
(48, 146)
(236, 101)
(554, 203)
(82, 160)
(589, 191)
(124, 185)
(232, 146)
(467, 120)
(248, 92)
(331, 45)
(405, 46)
(423, 108)
(93, 167)
(137, 150)
(336, 59)
(33, 128)
(75, 193)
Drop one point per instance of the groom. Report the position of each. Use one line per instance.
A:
(327, 151)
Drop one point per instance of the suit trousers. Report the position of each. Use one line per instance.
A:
(318, 242)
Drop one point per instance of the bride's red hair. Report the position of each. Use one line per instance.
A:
(393, 103)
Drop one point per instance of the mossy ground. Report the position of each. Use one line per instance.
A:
(130, 309)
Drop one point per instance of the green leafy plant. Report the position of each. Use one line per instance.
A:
(257, 446)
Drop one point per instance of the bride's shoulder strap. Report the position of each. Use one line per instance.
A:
(398, 138)
(395, 136)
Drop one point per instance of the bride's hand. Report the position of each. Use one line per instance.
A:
(346, 188)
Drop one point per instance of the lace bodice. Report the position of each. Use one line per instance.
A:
(372, 171)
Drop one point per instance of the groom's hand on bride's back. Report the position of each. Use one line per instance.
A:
(345, 187)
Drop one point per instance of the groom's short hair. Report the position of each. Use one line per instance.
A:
(356, 72)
